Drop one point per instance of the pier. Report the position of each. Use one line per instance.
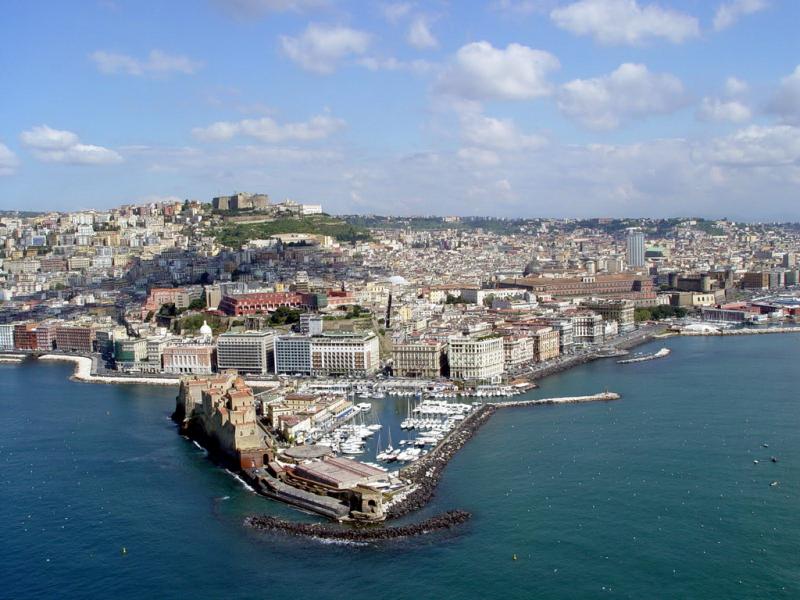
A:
(423, 476)
(602, 397)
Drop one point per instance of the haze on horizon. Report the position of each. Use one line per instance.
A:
(512, 108)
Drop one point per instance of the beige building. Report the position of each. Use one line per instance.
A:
(418, 359)
(477, 357)
(621, 311)
(344, 353)
(517, 351)
(195, 359)
(546, 344)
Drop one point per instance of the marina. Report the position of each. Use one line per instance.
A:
(511, 476)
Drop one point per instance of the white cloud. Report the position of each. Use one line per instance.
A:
(714, 109)
(735, 87)
(320, 48)
(157, 63)
(624, 21)
(497, 134)
(54, 145)
(8, 160)
(754, 146)
(479, 156)
(395, 11)
(628, 92)
(479, 71)
(419, 34)
(785, 103)
(729, 12)
(268, 130)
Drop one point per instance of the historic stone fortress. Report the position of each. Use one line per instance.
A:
(221, 413)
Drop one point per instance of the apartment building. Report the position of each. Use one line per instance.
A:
(418, 359)
(476, 357)
(587, 328)
(7, 336)
(621, 311)
(247, 352)
(545, 344)
(345, 353)
(293, 354)
(517, 351)
(75, 338)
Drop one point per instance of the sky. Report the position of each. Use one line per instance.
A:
(511, 108)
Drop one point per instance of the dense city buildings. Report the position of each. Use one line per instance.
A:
(195, 288)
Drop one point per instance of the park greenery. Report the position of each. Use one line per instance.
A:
(193, 323)
(283, 315)
(238, 234)
(656, 313)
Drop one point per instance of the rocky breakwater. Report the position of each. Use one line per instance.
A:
(358, 533)
(423, 476)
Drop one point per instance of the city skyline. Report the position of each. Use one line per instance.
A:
(511, 109)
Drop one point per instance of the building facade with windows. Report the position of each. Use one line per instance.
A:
(247, 352)
(476, 357)
(345, 353)
(417, 359)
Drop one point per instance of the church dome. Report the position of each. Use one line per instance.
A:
(205, 330)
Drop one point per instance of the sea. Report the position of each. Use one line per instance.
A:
(670, 492)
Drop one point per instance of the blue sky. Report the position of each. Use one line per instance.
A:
(494, 107)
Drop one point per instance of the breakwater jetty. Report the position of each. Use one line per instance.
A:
(421, 479)
(601, 397)
(358, 533)
(423, 475)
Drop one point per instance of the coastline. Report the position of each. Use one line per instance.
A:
(83, 374)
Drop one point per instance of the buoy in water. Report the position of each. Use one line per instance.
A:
(124, 550)
(514, 557)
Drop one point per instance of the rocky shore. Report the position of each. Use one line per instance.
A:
(358, 533)
(424, 475)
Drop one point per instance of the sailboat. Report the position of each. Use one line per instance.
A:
(388, 454)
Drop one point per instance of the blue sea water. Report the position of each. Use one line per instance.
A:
(654, 496)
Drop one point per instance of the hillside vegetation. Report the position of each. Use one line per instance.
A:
(237, 234)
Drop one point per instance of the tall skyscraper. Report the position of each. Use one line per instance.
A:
(635, 253)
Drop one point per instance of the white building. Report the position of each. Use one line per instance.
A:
(345, 353)
(293, 354)
(195, 359)
(476, 358)
(587, 328)
(7, 336)
(635, 249)
(248, 352)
